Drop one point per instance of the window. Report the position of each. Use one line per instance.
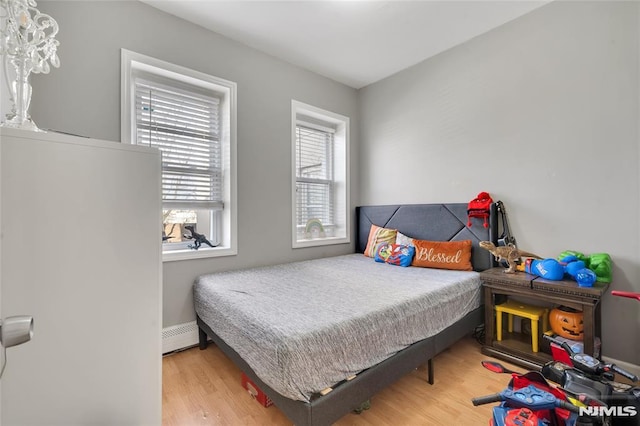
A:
(320, 176)
(190, 118)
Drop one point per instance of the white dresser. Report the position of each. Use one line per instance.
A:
(81, 252)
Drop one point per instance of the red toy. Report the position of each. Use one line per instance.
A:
(530, 400)
(626, 294)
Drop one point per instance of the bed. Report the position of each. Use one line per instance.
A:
(355, 337)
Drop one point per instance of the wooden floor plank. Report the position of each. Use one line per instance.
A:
(203, 388)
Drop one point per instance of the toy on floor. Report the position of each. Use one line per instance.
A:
(590, 365)
(587, 375)
(528, 400)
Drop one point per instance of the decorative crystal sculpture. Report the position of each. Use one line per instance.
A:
(28, 44)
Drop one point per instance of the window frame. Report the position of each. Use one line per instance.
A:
(310, 116)
(226, 219)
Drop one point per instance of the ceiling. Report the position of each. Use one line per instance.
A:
(354, 42)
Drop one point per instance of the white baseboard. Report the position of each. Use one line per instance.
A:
(179, 336)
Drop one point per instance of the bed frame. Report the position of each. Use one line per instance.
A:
(436, 222)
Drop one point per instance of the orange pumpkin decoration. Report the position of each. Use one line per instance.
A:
(567, 322)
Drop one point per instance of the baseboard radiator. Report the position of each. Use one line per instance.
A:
(179, 336)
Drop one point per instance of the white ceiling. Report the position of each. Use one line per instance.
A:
(354, 42)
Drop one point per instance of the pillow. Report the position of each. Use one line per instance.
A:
(379, 235)
(394, 254)
(403, 239)
(443, 254)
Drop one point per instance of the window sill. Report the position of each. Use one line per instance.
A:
(320, 242)
(187, 254)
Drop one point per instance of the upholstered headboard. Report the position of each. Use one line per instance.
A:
(434, 222)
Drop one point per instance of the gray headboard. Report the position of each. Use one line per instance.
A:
(434, 222)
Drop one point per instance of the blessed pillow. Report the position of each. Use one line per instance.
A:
(379, 235)
(394, 254)
(443, 254)
(403, 239)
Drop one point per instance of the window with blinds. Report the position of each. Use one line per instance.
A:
(190, 116)
(319, 176)
(314, 176)
(185, 126)
(184, 123)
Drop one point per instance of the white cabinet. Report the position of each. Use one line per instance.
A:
(81, 253)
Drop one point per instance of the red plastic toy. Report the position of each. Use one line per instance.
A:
(626, 294)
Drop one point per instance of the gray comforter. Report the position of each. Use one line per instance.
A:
(305, 326)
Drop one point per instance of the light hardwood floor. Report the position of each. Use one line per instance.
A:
(203, 388)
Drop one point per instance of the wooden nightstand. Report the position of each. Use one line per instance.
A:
(499, 287)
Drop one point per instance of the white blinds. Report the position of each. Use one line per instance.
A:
(314, 175)
(185, 125)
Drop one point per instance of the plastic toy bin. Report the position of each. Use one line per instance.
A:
(255, 392)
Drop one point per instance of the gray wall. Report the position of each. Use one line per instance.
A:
(543, 114)
(83, 97)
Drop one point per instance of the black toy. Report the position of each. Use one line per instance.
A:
(198, 239)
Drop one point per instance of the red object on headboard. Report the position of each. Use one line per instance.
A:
(480, 207)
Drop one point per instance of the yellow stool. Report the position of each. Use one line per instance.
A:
(534, 313)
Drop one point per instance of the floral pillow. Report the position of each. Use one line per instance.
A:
(379, 235)
(394, 254)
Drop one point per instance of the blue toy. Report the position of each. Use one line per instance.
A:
(549, 269)
(530, 405)
(554, 270)
(577, 270)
